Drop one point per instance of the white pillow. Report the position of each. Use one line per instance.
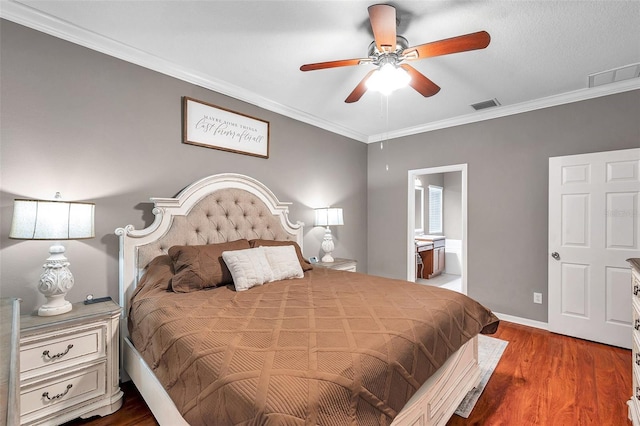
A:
(248, 267)
(284, 262)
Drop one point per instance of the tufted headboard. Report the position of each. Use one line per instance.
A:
(218, 208)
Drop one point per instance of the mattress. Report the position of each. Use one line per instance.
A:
(332, 348)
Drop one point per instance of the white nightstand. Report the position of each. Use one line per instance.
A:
(69, 364)
(339, 264)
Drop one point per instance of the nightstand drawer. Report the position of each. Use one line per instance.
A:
(635, 355)
(56, 394)
(348, 268)
(636, 389)
(52, 351)
(339, 264)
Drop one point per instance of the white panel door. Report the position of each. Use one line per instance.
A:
(594, 215)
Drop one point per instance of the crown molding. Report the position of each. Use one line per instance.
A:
(503, 111)
(32, 18)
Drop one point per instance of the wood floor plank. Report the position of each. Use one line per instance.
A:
(586, 389)
(542, 379)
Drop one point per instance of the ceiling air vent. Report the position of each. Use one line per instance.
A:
(615, 75)
(486, 104)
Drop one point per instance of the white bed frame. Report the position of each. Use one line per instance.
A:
(433, 404)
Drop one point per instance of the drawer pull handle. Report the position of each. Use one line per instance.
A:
(638, 358)
(637, 324)
(61, 354)
(60, 395)
(636, 289)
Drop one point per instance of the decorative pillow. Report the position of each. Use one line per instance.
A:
(304, 263)
(284, 262)
(158, 273)
(248, 267)
(201, 266)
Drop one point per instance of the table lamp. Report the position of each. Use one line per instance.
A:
(53, 220)
(328, 216)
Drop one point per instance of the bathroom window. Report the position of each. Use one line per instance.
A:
(435, 209)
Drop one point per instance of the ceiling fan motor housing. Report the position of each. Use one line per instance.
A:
(395, 57)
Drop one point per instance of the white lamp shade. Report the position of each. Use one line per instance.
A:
(52, 220)
(329, 216)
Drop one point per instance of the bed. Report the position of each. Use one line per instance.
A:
(307, 346)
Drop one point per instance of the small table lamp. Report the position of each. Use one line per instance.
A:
(53, 220)
(328, 216)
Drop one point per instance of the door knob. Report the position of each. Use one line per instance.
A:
(555, 255)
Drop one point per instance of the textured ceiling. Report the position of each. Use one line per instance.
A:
(541, 53)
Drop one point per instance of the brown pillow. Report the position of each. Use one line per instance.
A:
(200, 267)
(304, 263)
(157, 273)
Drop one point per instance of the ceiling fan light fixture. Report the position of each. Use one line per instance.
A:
(387, 79)
(393, 71)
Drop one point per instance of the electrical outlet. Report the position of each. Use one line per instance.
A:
(537, 297)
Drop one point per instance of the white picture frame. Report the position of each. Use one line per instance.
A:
(214, 127)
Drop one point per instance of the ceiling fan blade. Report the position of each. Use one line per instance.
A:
(359, 90)
(334, 64)
(420, 83)
(462, 43)
(383, 24)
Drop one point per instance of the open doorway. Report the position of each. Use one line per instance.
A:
(451, 182)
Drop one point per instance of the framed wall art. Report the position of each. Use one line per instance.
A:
(214, 127)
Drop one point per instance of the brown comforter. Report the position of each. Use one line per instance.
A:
(333, 348)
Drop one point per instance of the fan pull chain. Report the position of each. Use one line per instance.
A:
(381, 115)
(386, 104)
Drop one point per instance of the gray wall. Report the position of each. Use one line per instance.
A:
(507, 194)
(452, 205)
(100, 129)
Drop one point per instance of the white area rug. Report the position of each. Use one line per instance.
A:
(490, 351)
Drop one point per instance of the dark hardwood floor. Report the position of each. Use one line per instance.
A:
(542, 379)
(549, 379)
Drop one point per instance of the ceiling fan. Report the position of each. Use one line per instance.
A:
(390, 52)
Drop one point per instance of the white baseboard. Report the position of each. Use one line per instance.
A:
(523, 321)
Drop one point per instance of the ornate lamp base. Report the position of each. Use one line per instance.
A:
(327, 246)
(55, 282)
(55, 305)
